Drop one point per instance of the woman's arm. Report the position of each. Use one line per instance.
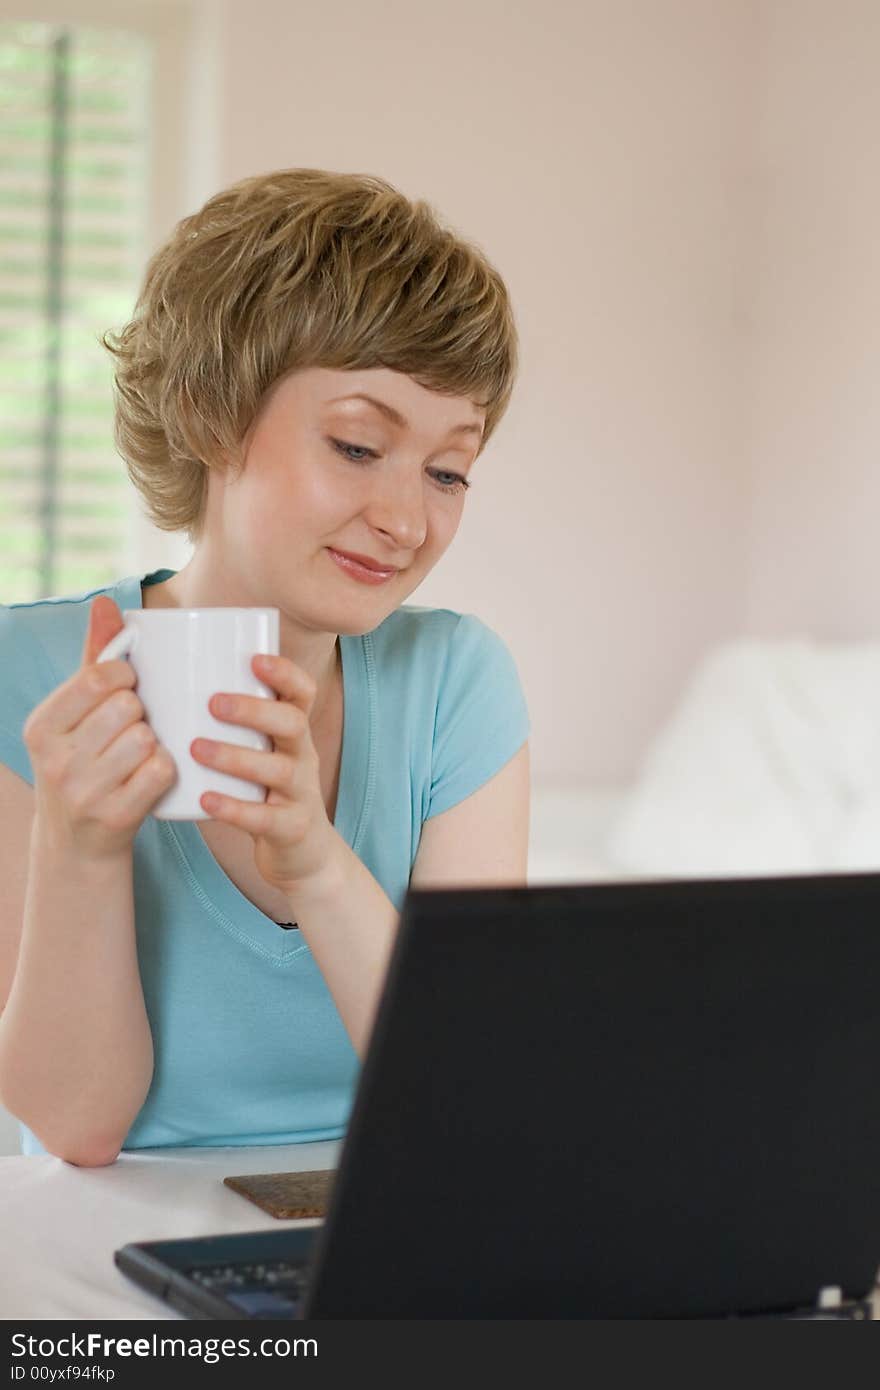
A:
(350, 923)
(76, 1053)
(483, 840)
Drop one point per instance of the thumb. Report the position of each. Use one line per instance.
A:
(105, 620)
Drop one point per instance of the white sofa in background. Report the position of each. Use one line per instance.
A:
(570, 828)
(769, 764)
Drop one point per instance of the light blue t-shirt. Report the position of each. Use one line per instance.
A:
(248, 1045)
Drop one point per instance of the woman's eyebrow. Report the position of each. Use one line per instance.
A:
(395, 416)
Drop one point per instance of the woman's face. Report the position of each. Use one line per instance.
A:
(326, 471)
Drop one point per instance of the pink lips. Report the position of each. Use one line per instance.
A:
(359, 571)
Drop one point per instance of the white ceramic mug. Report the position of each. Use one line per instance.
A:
(183, 656)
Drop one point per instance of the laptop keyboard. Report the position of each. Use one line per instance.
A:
(268, 1289)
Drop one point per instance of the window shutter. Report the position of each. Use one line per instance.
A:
(73, 180)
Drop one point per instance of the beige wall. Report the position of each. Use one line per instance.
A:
(813, 554)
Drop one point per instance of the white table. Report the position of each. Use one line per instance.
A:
(59, 1224)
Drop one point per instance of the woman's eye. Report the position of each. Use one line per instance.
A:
(349, 450)
(455, 483)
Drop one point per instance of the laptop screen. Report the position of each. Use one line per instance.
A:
(642, 1099)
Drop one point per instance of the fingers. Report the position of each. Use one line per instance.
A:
(282, 721)
(102, 750)
(97, 784)
(98, 729)
(284, 824)
(105, 620)
(127, 807)
(289, 680)
(69, 703)
(275, 770)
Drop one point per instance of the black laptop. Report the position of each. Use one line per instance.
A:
(653, 1099)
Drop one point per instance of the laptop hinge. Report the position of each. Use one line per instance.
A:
(831, 1305)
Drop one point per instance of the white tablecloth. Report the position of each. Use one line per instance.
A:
(59, 1224)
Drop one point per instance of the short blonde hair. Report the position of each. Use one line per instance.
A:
(293, 269)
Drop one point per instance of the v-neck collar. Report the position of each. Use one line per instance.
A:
(357, 775)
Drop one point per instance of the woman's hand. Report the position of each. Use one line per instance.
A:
(98, 768)
(293, 837)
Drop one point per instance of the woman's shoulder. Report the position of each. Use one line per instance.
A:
(463, 693)
(441, 642)
(417, 630)
(50, 631)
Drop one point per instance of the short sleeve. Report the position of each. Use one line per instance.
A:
(26, 677)
(482, 716)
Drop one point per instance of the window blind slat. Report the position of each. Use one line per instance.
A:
(73, 170)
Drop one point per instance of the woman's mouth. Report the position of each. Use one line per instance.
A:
(360, 572)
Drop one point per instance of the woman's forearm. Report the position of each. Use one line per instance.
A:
(349, 923)
(76, 1053)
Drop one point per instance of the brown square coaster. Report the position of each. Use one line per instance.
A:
(289, 1196)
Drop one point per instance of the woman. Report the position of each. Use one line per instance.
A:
(313, 367)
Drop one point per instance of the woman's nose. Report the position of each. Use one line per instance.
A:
(397, 508)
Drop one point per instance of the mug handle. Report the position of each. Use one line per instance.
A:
(123, 644)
